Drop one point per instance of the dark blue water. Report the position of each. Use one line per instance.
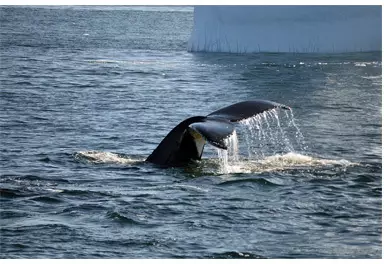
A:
(87, 93)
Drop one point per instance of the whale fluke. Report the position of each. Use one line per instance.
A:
(214, 131)
(246, 109)
(186, 141)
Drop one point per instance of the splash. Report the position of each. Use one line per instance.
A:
(266, 135)
(298, 135)
(270, 133)
(229, 159)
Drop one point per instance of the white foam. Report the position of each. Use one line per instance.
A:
(291, 160)
(360, 64)
(54, 190)
(280, 162)
(105, 157)
(371, 77)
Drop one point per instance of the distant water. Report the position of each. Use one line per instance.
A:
(88, 92)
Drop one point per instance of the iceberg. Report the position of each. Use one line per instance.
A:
(304, 29)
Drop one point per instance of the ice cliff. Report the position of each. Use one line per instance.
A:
(240, 29)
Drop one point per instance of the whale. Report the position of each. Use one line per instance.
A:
(185, 142)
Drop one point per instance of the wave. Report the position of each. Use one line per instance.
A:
(260, 181)
(122, 219)
(372, 77)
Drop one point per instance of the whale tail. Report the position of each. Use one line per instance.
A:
(186, 141)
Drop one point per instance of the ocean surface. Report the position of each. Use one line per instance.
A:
(88, 92)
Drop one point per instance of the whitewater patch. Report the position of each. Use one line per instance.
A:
(225, 164)
(280, 162)
(100, 157)
(296, 160)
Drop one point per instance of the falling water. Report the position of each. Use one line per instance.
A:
(229, 157)
(266, 134)
(298, 135)
(270, 133)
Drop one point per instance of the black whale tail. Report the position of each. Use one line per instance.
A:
(186, 141)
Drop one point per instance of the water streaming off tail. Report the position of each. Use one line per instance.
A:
(271, 133)
(229, 157)
(267, 134)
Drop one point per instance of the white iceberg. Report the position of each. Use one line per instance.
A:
(242, 29)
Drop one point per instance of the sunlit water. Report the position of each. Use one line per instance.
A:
(88, 92)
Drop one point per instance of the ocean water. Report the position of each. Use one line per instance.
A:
(88, 92)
